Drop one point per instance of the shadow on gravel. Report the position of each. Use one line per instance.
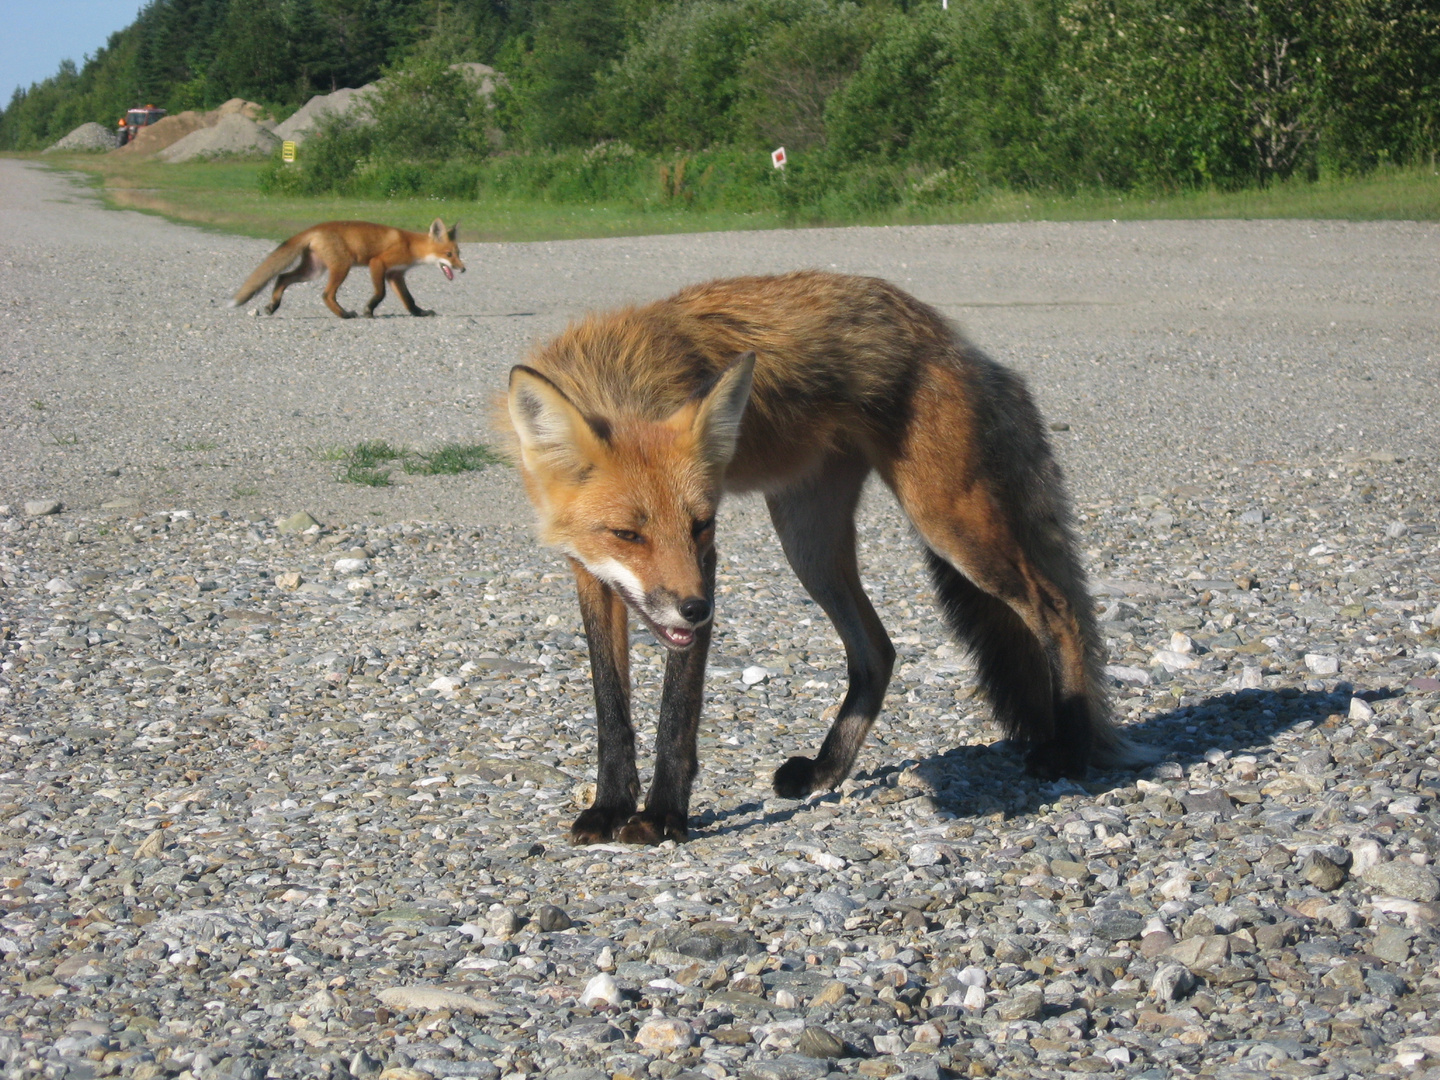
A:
(1238, 722)
(977, 780)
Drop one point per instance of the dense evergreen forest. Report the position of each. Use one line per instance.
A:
(873, 96)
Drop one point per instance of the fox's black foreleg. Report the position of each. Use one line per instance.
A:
(667, 806)
(397, 282)
(617, 784)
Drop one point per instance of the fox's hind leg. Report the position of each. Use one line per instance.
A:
(985, 495)
(308, 269)
(816, 523)
(617, 784)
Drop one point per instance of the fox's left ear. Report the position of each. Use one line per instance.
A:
(717, 418)
(437, 231)
(454, 231)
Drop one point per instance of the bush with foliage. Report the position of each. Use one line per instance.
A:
(877, 101)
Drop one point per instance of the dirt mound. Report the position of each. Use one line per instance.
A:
(302, 124)
(247, 109)
(235, 134)
(163, 133)
(91, 136)
(169, 131)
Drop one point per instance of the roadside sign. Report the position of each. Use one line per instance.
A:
(777, 158)
(287, 151)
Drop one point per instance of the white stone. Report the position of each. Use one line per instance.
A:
(664, 1036)
(1321, 663)
(974, 998)
(973, 976)
(1175, 661)
(1126, 674)
(1363, 855)
(58, 585)
(754, 674)
(1177, 888)
(1360, 709)
(601, 990)
(1181, 642)
(351, 566)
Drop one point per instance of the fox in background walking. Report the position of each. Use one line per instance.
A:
(338, 246)
(631, 425)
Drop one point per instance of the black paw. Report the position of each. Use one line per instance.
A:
(647, 828)
(795, 779)
(269, 309)
(1053, 761)
(599, 824)
(421, 313)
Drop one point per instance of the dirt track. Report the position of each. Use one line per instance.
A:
(1165, 346)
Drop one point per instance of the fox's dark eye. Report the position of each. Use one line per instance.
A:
(702, 527)
(628, 536)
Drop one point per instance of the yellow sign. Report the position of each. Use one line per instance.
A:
(287, 151)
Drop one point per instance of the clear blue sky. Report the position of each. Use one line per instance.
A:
(36, 36)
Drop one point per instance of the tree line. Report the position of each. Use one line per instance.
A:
(868, 95)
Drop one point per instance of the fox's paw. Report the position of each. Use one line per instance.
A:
(1055, 761)
(648, 828)
(269, 309)
(421, 313)
(599, 824)
(795, 779)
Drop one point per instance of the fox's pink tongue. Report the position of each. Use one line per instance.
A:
(449, 274)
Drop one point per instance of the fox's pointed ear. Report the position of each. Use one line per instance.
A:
(555, 438)
(718, 415)
(437, 231)
(454, 231)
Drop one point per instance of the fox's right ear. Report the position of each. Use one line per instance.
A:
(554, 436)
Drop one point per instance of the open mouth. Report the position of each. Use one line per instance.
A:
(449, 274)
(674, 637)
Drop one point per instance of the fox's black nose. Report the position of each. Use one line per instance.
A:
(695, 610)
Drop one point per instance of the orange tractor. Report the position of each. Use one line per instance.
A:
(134, 120)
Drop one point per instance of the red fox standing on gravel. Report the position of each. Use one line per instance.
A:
(631, 425)
(339, 245)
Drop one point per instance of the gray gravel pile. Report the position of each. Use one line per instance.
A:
(233, 135)
(299, 125)
(285, 795)
(88, 136)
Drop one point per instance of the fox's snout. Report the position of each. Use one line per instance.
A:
(695, 610)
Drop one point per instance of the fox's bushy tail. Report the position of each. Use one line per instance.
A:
(275, 264)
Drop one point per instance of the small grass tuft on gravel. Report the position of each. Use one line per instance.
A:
(363, 463)
(452, 458)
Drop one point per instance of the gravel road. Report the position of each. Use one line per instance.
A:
(288, 799)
